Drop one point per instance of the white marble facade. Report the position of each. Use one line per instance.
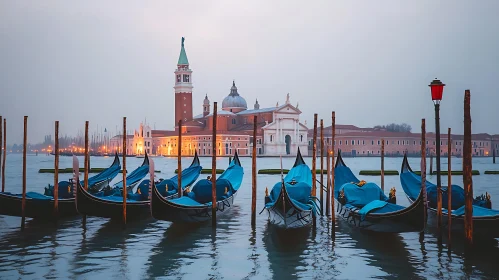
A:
(285, 134)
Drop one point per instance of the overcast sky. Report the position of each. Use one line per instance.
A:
(370, 61)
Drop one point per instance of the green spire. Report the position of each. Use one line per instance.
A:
(182, 59)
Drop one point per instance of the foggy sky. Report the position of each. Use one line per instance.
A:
(370, 61)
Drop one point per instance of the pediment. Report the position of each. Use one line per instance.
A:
(288, 109)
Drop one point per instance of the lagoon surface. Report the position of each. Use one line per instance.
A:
(158, 249)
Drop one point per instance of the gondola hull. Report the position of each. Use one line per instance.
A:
(485, 227)
(10, 205)
(163, 209)
(100, 185)
(410, 219)
(88, 204)
(284, 214)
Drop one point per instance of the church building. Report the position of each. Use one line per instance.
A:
(279, 131)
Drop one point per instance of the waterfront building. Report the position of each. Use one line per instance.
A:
(116, 144)
(279, 130)
(355, 141)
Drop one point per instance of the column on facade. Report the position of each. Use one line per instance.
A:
(280, 128)
(298, 131)
(294, 133)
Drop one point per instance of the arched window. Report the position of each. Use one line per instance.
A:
(271, 138)
(233, 121)
(301, 138)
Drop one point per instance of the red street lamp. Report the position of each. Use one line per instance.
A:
(437, 90)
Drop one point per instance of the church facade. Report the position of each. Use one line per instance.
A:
(279, 131)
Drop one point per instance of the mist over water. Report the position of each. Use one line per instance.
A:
(156, 249)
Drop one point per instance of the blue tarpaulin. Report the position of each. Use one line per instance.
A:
(360, 196)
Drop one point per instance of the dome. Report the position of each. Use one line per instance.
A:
(234, 100)
(206, 101)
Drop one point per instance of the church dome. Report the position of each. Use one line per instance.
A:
(206, 101)
(234, 100)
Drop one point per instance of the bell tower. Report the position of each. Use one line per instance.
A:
(206, 106)
(183, 88)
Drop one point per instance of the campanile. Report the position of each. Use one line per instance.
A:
(183, 88)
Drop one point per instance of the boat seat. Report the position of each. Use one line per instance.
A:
(360, 196)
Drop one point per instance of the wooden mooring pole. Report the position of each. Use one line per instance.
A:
(431, 162)
(328, 180)
(314, 158)
(493, 153)
(124, 169)
(383, 165)
(214, 168)
(449, 187)
(85, 163)
(56, 171)
(321, 187)
(25, 148)
(1, 148)
(4, 152)
(423, 173)
(467, 169)
(179, 159)
(333, 136)
(253, 175)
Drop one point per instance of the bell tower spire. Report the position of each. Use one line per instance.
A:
(183, 87)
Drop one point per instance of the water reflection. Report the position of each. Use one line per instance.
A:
(388, 252)
(34, 250)
(103, 241)
(285, 249)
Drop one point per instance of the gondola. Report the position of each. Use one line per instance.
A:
(111, 206)
(290, 204)
(132, 180)
(195, 205)
(365, 206)
(485, 220)
(95, 183)
(41, 206)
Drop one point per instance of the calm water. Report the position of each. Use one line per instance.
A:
(157, 249)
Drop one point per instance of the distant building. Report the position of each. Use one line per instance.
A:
(279, 131)
(355, 141)
(116, 145)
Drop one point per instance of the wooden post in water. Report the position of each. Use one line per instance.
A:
(467, 169)
(85, 165)
(314, 158)
(4, 152)
(124, 169)
(423, 173)
(333, 136)
(493, 153)
(253, 175)
(1, 149)
(328, 180)
(56, 170)
(179, 159)
(214, 168)
(25, 147)
(431, 162)
(383, 165)
(321, 187)
(449, 186)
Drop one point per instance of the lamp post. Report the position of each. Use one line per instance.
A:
(437, 89)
